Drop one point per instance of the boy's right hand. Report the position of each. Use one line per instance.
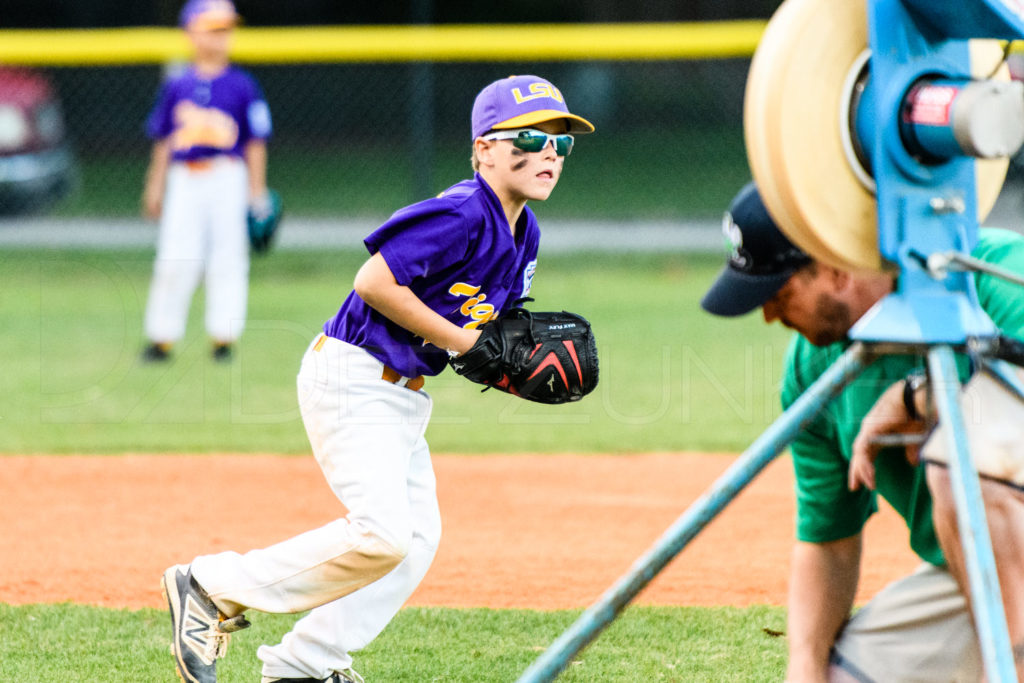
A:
(466, 339)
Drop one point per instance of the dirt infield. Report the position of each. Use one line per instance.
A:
(527, 531)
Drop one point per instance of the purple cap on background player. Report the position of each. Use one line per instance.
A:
(761, 260)
(520, 102)
(208, 15)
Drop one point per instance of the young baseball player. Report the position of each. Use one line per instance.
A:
(437, 271)
(208, 167)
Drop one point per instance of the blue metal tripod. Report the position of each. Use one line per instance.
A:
(924, 172)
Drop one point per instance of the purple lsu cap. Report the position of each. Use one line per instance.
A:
(520, 102)
(208, 15)
(761, 259)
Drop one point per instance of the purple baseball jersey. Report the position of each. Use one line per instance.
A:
(206, 117)
(457, 254)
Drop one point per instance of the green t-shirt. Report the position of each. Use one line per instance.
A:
(826, 509)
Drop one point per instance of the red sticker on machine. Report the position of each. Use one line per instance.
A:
(930, 105)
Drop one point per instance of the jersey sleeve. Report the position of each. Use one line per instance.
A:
(258, 119)
(257, 114)
(160, 122)
(254, 119)
(826, 509)
(421, 239)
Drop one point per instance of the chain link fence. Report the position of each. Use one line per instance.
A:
(365, 139)
(359, 140)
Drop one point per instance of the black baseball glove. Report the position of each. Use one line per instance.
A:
(543, 357)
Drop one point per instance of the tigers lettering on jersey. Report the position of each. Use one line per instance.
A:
(197, 126)
(538, 90)
(473, 307)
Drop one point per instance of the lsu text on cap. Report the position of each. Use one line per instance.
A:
(520, 102)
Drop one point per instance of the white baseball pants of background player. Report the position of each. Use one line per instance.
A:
(355, 573)
(203, 234)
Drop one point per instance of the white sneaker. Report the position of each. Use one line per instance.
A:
(201, 633)
(347, 676)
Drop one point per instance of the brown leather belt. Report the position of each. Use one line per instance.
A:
(387, 374)
(199, 164)
(393, 376)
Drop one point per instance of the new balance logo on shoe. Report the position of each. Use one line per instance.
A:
(199, 632)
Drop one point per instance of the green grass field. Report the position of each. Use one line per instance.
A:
(673, 378)
(76, 644)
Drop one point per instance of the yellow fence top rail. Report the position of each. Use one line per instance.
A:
(444, 43)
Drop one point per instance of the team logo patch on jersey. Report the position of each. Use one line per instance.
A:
(528, 272)
(259, 119)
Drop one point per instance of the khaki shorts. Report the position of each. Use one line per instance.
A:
(917, 629)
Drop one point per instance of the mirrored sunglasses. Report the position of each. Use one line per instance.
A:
(533, 140)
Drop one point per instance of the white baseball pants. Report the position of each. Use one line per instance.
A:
(203, 234)
(356, 572)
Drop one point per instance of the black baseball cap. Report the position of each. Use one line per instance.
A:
(761, 259)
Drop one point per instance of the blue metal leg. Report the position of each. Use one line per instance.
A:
(986, 597)
(1005, 372)
(772, 442)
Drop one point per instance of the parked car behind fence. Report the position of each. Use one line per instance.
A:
(36, 165)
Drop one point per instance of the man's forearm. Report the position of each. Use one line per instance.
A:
(823, 582)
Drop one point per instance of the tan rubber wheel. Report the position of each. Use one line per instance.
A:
(798, 84)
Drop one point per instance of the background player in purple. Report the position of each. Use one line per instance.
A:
(208, 167)
(437, 271)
